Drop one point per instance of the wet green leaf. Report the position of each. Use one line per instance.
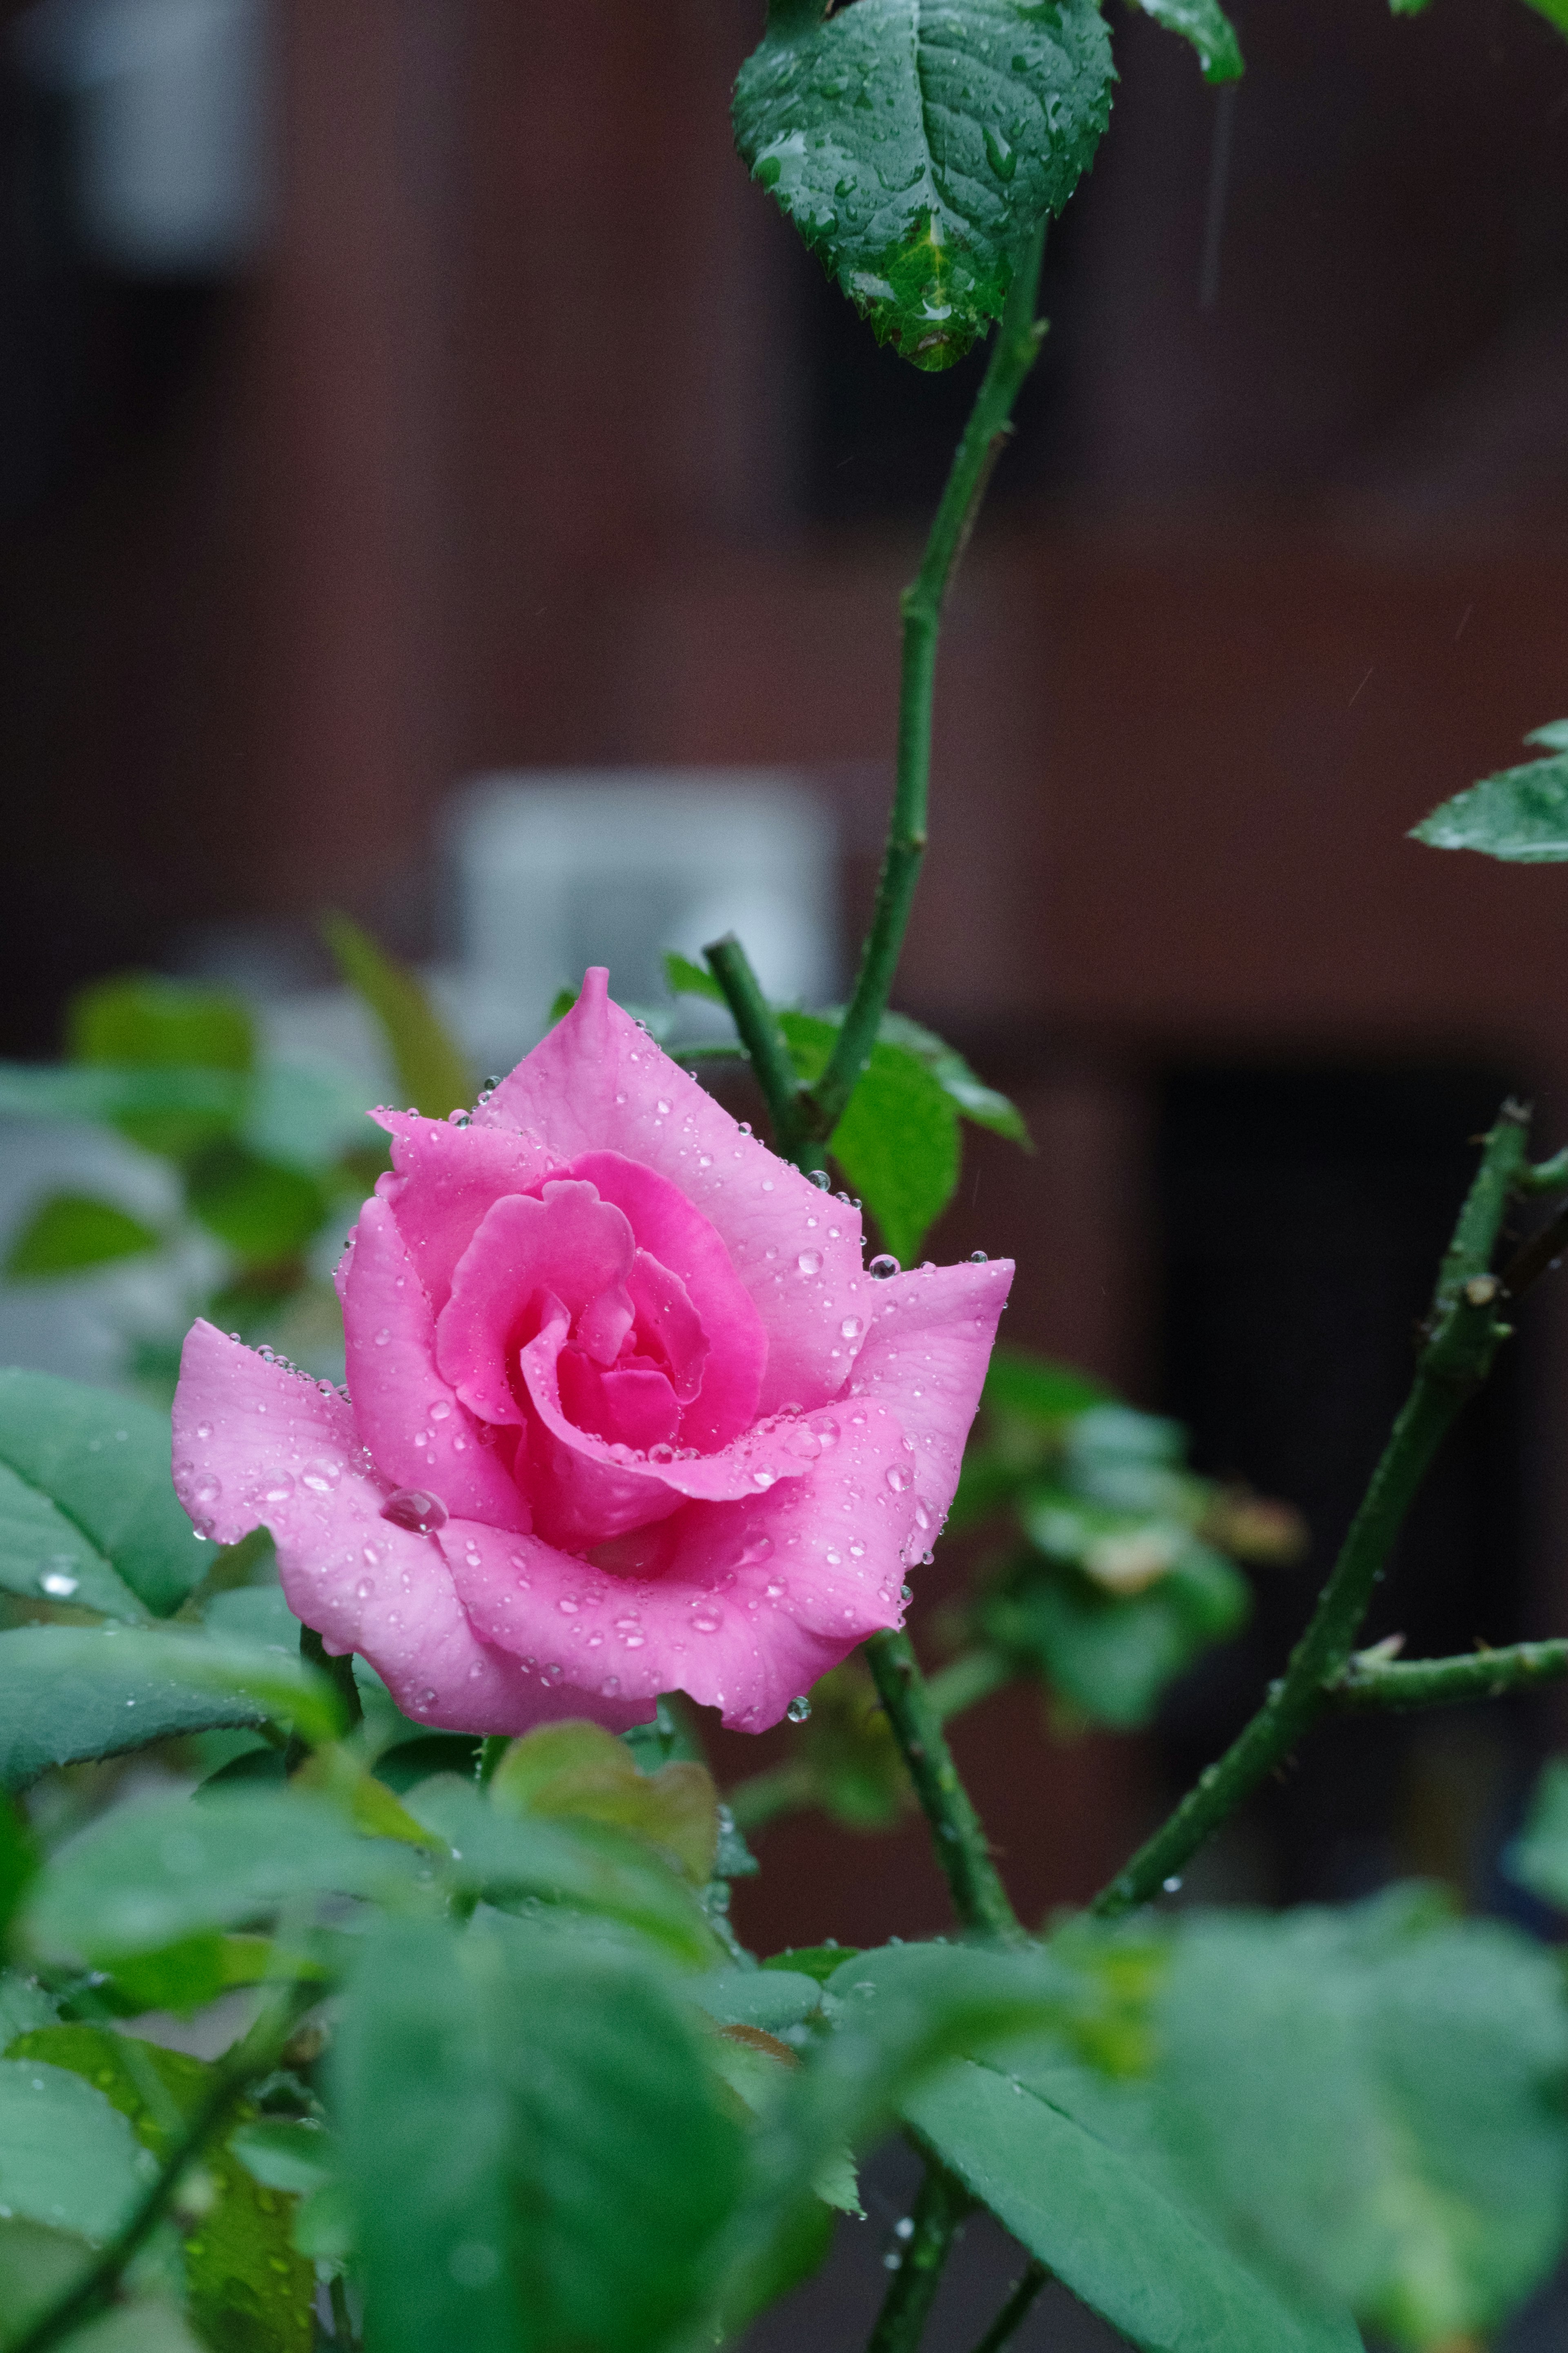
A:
(45, 1556)
(914, 149)
(150, 1875)
(249, 2292)
(1378, 2103)
(432, 1073)
(504, 2095)
(102, 1460)
(577, 1770)
(898, 1141)
(1069, 2163)
(71, 1230)
(1521, 814)
(66, 2158)
(974, 1099)
(1205, 24)
(684, 978)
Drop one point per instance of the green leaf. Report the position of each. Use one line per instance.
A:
(1205, 24)
(975, 1100)
(584, 1866)
(154, 1024)
(24, 2005)
(1376, 2102)
(1110, 1654)
(898, 1141)
(1070, 2165)
(1538, 1858)
(66, 2158)
(149, 1874)
(306, 1115)
(1020, 1382)
(72, 1692)
(292, 2154)
(684, 978)
(104, 1462)
(537, 2161)
(45, 1556)
(260, 1209)
(155, 1106)
(1556, 15)
(151, 2327)
(18, 1864)
(37, 2268)
(1520, 814)
(774, 2001)
(847, 1747)
(248, 2289)
(915, 146)
(185, 1977)
(432, 1073)
(72, 1231)
(579, 1771)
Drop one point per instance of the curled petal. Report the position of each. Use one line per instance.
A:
(443, 1180)
(597, 1083)
(256, 1445)
(571, 1246)
(742, 1605)
(925, 1359)
(399, 1394)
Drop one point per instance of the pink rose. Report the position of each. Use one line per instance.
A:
(626, 1414)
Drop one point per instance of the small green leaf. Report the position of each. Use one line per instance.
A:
(432, 1073)
(104, 1462)
(684, 978)
(66, 2158)
(536, 2154)
(1110, 1655)
(288, 2153)
(140, 1019)
(914, 149)
(898, 1141)
(1520, 814)
(1538, 1858)
(185, 1977)
(24, 2005)
(239, 2260)
(975, 1100)
(1556, 15)
(43, 1555)
(262, 1210)
(72, 1231)
(1018, 1382)
(584, 1866)
(72, 1692)
(579, 1771)
(150, 1875)
(1375, 2101)
(1205, 24)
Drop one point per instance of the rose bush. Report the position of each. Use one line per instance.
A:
(625, 1414)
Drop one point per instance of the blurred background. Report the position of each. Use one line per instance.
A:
(435, 484)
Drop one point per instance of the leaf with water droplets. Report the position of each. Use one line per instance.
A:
(915, 144)
(1205, 24)
(579, 1771)
(102, 1463)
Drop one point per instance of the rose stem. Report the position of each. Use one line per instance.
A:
(1015, 2311)
(979, 1897)
(1369, 1681)
(804, 1117)
(1462, 1334)
(940, 2207)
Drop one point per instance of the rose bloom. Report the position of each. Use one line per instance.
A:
(624, 1412)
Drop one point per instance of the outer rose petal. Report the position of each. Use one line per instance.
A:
(443, 1180)
(598, 1084)
(258, 1445)
(396, 1386)
(755, 1601)
(925, 1358)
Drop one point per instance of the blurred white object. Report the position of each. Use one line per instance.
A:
(555, 872)
(171, 104)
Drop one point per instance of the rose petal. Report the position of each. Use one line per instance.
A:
(444, 1179)
(398, 1392)
(666, 1319)
(597, 1083)
(631, 1406)
(755, 1601)
(256, 1445)
(925, 1359)
(570, 1246)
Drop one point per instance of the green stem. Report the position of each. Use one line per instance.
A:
(1369, 1681)
(1463, 1332)
(979, 1897)
(1544, 1175)
(492, 1748)
(1018, 339)
(966, 1680)
(1015, 2311)
(339, 1673)
(255, 2055)
(939, 2208)
(764, 1040)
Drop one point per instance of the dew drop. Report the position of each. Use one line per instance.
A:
(383, 1337)
(207, 1490)
(757, 1549)
(851, 1327)
(203, 1429)
(365, 1588)
(883, 1266)
(610, 1686)
(762, 1476)
(820, 1178)
(412, 1508)
(321, 1475)
(1172, 1885)
(279, 1488)
(709, 1619)
(440, 1410)
(810, 1262)
(898, 1477)
(978, 1258)
(798, 1709)
(59, 1583)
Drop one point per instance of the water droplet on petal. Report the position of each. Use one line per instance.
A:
(798, 1709)
(810, 1262)
(412, 1508)
(883, 1265)
(978, 1258)
(820, 1178)
(851, 1327)
(207, 1490)
(279, 1488)
(898, 1477)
